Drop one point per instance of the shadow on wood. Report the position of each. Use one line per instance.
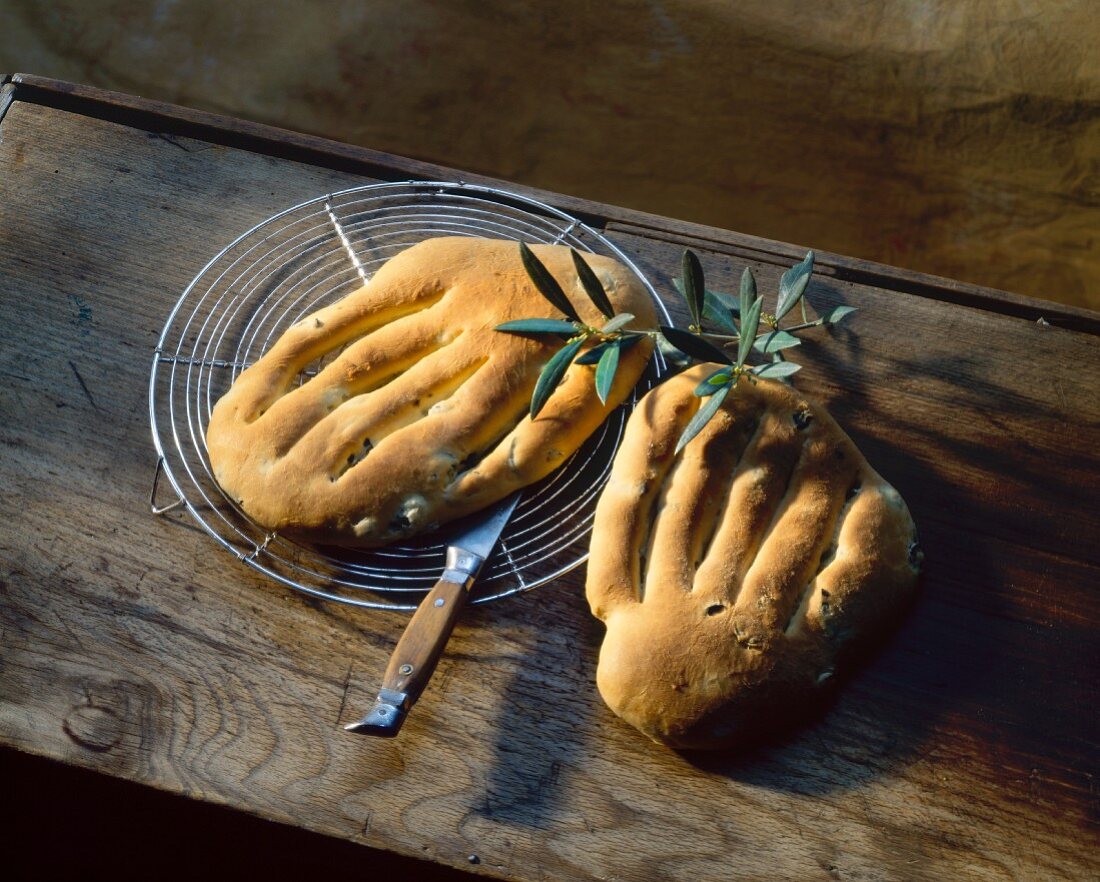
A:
(62, 822)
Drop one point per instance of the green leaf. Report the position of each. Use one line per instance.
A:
(605, 370)
(775, 341)
(716, 307)
(748, 292)
(593, 355)
(750, 321)
(835, 314)
(592, 285)
(711, 384)
(620, 321)
(538, 326)
(719, 309)
(702, 416)
(726, 301)
(792, 285)
(694, 288)
(551, 375)
(671, 354)
(776, 369)
(548, 286)
(695, 346)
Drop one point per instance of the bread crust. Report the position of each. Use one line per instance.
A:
(735, 579)
(422, 417)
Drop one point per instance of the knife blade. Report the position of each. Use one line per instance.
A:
(418, 651)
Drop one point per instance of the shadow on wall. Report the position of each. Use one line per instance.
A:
(958, 137)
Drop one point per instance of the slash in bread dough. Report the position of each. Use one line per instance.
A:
(733, 578)
(421, 417)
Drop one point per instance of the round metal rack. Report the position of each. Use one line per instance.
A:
(304, 258)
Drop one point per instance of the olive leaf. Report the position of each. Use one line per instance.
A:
(711, 384)
(748, 292)
(538, 326)
(694, 345)
(792, 285)
(835, 314)
(673, 356)
(719, 309)
(593, 355)
(547, 285)
(750, 321)
(735, 319)
(775, 341)
(605, 370)
(702, 416)
(693, 285)
(724, 301)
(551, 375)
(620, 321)
(776, 369)
(592, 285)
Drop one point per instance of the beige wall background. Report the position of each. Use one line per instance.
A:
(958, 137)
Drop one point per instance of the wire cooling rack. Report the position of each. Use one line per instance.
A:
(298, 261)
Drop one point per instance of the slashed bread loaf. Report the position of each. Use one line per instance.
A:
(422, 416)
(734, 578)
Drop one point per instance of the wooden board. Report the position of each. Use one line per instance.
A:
(132, 645)
(958, 139)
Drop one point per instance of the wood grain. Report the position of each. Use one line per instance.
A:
(958, 137)
(967, 748)
(162, 118)
(1003, 410)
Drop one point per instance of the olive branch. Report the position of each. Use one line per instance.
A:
(719, 322)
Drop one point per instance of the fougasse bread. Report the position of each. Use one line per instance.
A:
(422, 417)
(735, 578)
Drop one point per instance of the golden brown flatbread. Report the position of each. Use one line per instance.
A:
(422, 417)
(733, 578)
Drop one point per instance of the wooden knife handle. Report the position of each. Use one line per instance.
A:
(414, 659)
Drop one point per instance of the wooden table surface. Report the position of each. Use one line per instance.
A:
(132, 645)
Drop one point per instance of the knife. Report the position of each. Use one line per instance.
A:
(417, 652)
